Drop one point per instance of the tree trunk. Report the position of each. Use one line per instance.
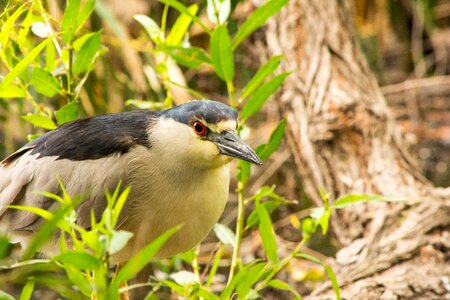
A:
(344, 139)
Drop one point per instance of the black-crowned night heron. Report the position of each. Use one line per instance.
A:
(176, 162)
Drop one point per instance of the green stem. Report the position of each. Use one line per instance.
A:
(70, 75)
(239, 231)
(231, 94)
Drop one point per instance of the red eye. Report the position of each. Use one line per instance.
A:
(199, 128)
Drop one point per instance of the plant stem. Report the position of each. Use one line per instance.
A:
(239, 230)
(231, 94)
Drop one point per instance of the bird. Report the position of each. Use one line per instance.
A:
(175, 161)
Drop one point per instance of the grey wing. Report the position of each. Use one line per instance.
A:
(23, 175)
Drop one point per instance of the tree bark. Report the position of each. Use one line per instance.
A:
(344, 139)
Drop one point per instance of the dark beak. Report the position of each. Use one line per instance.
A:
(230, 144)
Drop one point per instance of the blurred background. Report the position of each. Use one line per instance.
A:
(406, 42)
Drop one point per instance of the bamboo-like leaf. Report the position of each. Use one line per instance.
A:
(264, 72)
(137, 262)
(225, 234)
(87, 54)
(275, 140)
(257, 18)
(40, 121)
(190, 57)
(69, 21)
(80, 260)
(152, 29)
(251, 276)
(256, 102)
(44, 82)
(23, 64)
(181, 26)
(267, 233)
(27, 290)
(67, 113)
(221, 53)
(9, 24)
(348, 200)
(184, 10)
(85, 12)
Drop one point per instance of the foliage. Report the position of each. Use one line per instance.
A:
(50, 63)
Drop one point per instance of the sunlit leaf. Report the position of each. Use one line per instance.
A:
(257, 18)
(80, 260)
(86, 54)
(260, 96)
(221, 53)
(44, 82)
(276, 138)
(151, 28)
(218, 11)
(267, 233)
(264, 72)
(119, 240)
(69, 21)
(184, 278)
(184, 10)
(350, 199)
(67, 113)
(278, 284)
(40, 121)
(190, 57)
(27, 290)
(85, 12)
(180, 27)
(225, 234)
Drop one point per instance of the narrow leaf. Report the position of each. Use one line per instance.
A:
(67, 113)
(85, 12)
(27, 290)
(80, 260)
(276, 138)
(69, 21)
(221, 53)
(181, 26)
(86, 54)
(151, 27)
(348, 200)
(23, 64)
(225, 234)
(190, 57)
(44, 82)
(256, 102)
(257, 18)
(267, 233)
(40, 121)
(278, 284)
(184, 10)
(264, 72)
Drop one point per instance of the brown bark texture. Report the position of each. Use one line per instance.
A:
(344, 139)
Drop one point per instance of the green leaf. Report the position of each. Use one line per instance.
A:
(87, 54)
(225, 234)
(221, 53)
(67, 113)
(238, 278)
(78, 278)
(6, 296)
(9, 24)
(184, 10)
(278, 284)
(50, 57)
(218, 11)
(251, 276)
(119, 240)
(44, 82)
(309, 226)
(322, 217)
(256, 102)
(264, 72)
(181, 26)
(267, 233)
(257, 18)
(276, 138)
(79, 42)
(151, 27)
(27, 290)
(270, 206)
(40, 121)
(79, 260)
(184, 278)
(23, 64)
(36, 210)
(11, 91)
(141, 259)
(69, 21)
(329, 271)
(85, 12)
(348, 200)
(190, 57)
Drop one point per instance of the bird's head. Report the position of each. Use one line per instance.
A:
(201, 132)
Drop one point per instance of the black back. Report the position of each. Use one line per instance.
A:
(96, 137)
